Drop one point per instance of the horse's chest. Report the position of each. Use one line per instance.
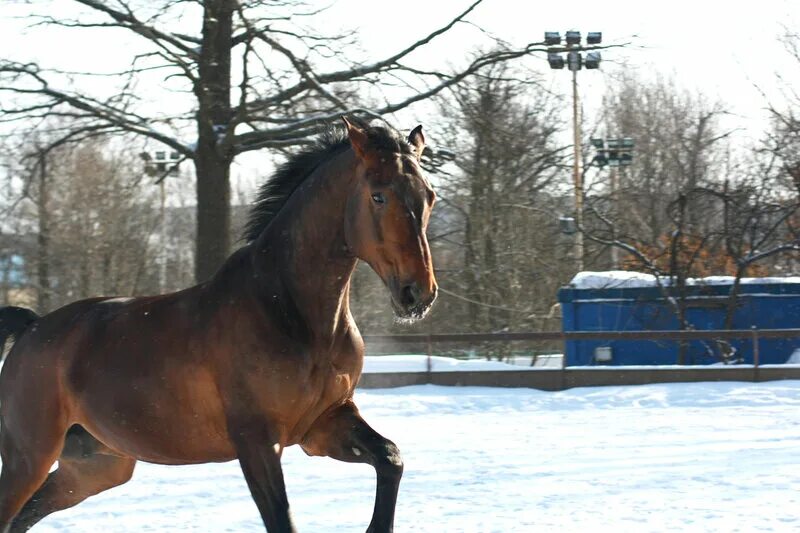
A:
(331, 382)
(340, 374)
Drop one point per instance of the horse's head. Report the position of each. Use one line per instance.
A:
(387, 216)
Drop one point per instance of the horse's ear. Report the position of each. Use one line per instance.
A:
(417, 140)
(358, 139)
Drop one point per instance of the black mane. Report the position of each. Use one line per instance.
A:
(290, 175)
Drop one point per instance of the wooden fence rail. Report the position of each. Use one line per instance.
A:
(562, 378)
(753, 333)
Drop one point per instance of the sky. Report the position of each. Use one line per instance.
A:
(727, 51)
(720, 49)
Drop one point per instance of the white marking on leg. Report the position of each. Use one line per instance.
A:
(276, 447)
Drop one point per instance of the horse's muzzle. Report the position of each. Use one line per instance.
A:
(410, 303)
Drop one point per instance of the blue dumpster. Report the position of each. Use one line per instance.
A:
(623, 301)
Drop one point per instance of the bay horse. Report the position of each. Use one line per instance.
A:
(263, 356)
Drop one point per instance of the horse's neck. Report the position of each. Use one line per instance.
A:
(305, 245)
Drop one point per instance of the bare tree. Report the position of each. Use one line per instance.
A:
(291, 78)
(94, 226)
(496, 237)
(680, 145)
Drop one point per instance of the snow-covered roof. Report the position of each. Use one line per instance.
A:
(623, 279)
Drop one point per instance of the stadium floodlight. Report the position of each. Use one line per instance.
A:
(567, 225)
(573, 37)
(594, 37)
(574, 61)
(592, 60)
(600, 160)
(556, 61)
(552, 38)
(614, 152)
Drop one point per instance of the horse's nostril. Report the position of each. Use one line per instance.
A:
(409, 295)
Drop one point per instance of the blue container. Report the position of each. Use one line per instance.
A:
(761, 305)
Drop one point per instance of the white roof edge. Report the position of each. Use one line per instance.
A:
(623, 279)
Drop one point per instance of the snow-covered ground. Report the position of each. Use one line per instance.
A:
(676, 457)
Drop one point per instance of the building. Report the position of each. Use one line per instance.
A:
(16, 286)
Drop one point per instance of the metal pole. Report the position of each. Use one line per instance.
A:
(576, 172)
(615, 203)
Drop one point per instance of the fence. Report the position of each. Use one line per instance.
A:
(567, 377)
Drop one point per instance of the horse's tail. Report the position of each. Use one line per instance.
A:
(13, 323)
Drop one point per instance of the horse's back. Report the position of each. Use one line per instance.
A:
(53, 338)
(43, 341)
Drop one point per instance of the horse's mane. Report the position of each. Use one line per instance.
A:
(274, 193)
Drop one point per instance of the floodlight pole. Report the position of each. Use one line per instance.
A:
(577, 178)
(615, 153)
(615, 202)
(575, 61)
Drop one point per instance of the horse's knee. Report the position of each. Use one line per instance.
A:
(389, 461)
(111, 471)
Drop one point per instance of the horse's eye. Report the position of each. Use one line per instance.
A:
(378, 198)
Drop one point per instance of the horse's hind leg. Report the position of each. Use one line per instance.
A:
(27, 458)
(84, 469)
(342, 434)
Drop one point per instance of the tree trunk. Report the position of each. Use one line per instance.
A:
(43, 239)
(213, 217)
(213, 116)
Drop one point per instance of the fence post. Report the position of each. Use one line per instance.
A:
(756, 354)
(564, 366)
(429, 362)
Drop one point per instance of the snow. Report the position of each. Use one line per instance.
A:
(669, 457)
(622, 279)
(794, 359)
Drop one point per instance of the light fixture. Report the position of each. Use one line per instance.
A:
(594, 37)
(592, 60)
(552, 38)
(573, 37)
(556, 61)
(567, 225)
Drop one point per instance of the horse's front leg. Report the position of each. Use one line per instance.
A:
(259, 452)
(342, 434)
